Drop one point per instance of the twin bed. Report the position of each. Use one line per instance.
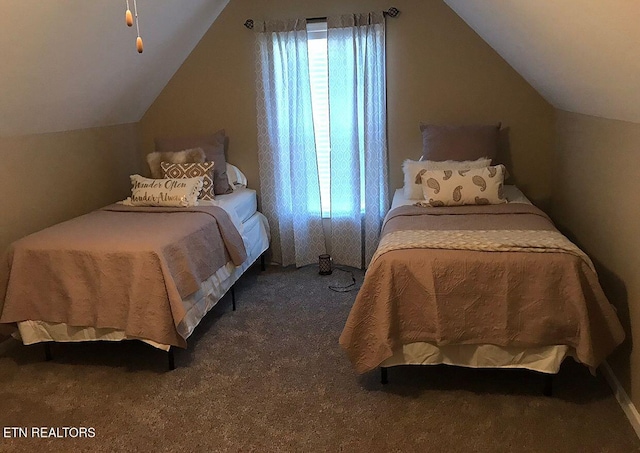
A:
(468, 272)
(493, 286)
(129, 272)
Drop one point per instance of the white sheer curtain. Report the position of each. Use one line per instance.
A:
(357, 103)
(290, 191)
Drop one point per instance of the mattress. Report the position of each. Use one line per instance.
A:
(256, 236)
(513, 194)
(242, 202)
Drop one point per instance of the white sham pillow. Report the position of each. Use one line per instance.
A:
(479, 186)
(181, 192)
(412, 168)
(237, 179)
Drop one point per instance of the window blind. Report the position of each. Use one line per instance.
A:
(319, 79)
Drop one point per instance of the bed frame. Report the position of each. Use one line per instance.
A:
(547, 380)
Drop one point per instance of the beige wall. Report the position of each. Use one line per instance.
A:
(439, 71)
(597, 202)
(49, 178)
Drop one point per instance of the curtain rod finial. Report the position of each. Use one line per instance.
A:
(249, 24)
(392, 12)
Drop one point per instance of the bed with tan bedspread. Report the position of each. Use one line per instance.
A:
(121, 267)
(478, 275)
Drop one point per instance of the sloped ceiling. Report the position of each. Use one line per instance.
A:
(72, 64)
(582, 55)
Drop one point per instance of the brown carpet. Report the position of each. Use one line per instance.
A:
(271, 377)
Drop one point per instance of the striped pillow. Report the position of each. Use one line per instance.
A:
(192, 170)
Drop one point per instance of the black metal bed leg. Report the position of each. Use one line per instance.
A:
(233, 297)
(47, 352)
(383, 375)
(172, 362)
(547, 389)
(263, 263)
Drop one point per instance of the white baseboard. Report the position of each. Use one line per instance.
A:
(623, 399)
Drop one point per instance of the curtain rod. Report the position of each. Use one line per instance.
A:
(391, 12)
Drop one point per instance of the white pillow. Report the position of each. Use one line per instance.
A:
(411, 169)
(236, 177)
(165, 192)
(461, 187)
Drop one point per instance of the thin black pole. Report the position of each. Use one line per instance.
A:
(548, 385)
(172, 362)
(391, 12)
(47, 352)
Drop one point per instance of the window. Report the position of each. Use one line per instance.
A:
(319, 81)
(322, 135)
(319, 78)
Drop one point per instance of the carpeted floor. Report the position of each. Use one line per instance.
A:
(271, 377)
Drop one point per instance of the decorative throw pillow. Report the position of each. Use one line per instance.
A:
(165, 192)
(460, 187)
(178, 157)
(412, 171)
(214, 150)
(459, 142)
(204, 169)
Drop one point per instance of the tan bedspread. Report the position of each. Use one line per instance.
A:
(443, 295)
(120, 267)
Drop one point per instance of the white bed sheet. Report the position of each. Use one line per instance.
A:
(546, 359)
(256, 236)
(242, 201)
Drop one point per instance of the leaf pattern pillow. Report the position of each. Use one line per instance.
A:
(460, 187)
(412, 169)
